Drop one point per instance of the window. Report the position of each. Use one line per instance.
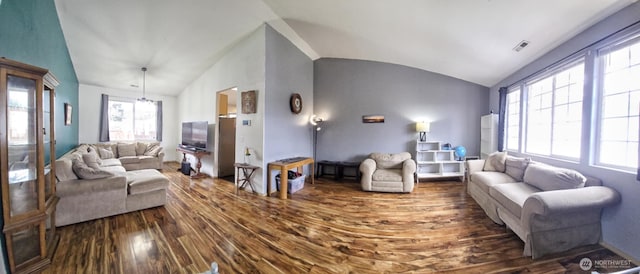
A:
(619, 108)
(554, 113)
(132, 120)
(512, 132)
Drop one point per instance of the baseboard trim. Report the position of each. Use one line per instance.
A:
(620, 252)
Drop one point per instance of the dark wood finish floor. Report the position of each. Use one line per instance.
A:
(329, 227)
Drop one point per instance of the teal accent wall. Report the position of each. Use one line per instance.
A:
(30, 32)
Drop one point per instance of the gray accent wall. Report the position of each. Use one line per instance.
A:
(621, 223)
(345, 90)
(288, 71)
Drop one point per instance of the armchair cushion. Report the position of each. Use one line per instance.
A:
(387, 160)
(388, 175)
(552, 178)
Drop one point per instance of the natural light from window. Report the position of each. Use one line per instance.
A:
(620, 107)
(132, 120)
(513, 120)
(554, 114)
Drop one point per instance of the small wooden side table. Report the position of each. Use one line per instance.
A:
(247, 172)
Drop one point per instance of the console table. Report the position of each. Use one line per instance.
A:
(285, 165)
(198, 154)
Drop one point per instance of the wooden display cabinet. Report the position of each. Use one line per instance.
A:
(27, 144)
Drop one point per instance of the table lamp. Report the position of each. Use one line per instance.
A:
(423, 128)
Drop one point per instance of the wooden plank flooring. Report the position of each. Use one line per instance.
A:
(329, 227)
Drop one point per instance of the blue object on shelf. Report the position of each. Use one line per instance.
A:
(460, 151)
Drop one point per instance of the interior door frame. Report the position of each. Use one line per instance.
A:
(216, 142)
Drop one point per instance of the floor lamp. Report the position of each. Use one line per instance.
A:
(316, 122)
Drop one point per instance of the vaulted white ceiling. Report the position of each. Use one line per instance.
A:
(109, 41)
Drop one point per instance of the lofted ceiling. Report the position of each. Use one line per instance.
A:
(109, 41)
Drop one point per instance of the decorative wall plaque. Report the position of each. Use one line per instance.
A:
(249, 102)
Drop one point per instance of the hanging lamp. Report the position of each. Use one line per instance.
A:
(144, 99)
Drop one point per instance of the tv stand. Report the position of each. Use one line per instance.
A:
(196, 153)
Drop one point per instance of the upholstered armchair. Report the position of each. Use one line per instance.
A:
(386, 172)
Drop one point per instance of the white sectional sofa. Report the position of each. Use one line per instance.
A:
(112, 187)
(551, 209)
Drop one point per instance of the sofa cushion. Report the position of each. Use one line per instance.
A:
(495, 162)
(515, 167)
(106, 153)
(125, 150)
(388, 160)
(91, 160)
(111, 162)
(129, 159)
(512, 196)
(153, 150)
(146, 180)
(116, 170)
(485, 179)
(64, 169)
(83, 148)
(394, 175)
(94, 151)
(83, 171)
(548, 178)
(141, 148)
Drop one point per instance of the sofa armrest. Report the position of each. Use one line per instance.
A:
(161, 154)
(367, 167)
(570, 200)
(474, 165)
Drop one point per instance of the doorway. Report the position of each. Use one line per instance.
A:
(226, 116)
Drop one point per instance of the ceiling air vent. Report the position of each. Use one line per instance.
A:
(521, 45)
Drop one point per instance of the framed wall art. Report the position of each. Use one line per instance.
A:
(68, 111)
(248, 102)
(368, 119)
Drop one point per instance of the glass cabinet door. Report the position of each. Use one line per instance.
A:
(22, 139)
(48, 141)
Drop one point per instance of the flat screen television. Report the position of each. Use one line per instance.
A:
(194, 134)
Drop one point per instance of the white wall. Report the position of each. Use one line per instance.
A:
(89, 116)
(243, 66)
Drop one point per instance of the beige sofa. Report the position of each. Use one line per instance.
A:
(551, 209)
(124, 189)
(384, 172)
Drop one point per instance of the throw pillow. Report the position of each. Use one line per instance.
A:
(90, 160)
(64, 169)
(84, 148)
(515, 167)
(93, 151)
(125, 150)
(495, 162)
(153, 151)
(106, 153)
(141, 148)
(83, 171)
(549, 178)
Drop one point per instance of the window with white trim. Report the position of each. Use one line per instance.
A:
(132, 120)
(620, 103)
(554, 113)
(512, 120)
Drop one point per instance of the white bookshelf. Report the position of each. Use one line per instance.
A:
(434, 162)
(488, 135)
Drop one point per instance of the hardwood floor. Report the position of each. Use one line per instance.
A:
(329, 227)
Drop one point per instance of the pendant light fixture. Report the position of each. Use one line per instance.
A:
(144, 99)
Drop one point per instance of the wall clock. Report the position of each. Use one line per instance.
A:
(295, 103)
